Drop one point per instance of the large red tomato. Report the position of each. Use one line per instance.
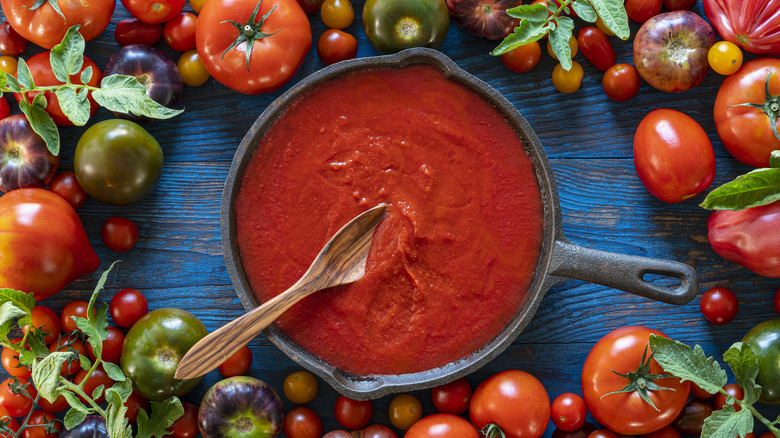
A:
(442, 426)
(746, 131)
(269, 51)
(673, 155)
(515, 401)
(753, 25)
(45, 27)
(622, 351)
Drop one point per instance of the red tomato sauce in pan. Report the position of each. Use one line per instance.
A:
(451, 262)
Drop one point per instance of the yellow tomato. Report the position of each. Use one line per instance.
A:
(567, 81)
(572, 46)
(404, 411)
(725, 57)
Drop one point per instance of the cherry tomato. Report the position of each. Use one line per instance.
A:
(193, 72)
(677, 5)
(404, 411)
(733, 390)
(337, 14)
(179, 33)
(112, 346)
(643, 10)
(725, 57)
(154, 11)
(697, 392)
(38, 419)
(302, 422)
(673, 155)
(573, 48)
(133, 404)
(691, 419)
(11, 43)
(602, 433)
(197, 5)
(10, 359)
(13, 424)
(97, 378)
(353, 414)
(310, 6)
(453, 397)
(59, 405)
(596, 48)
(73, 308)
(5, 110)
(119, 234)
(128, 306)
(67, 186)
(776, 301)
(69, 343)
(567, 81)
(335, 45)
(719, 305)
(8, 64)
(300, 387)
(664, 432)
(17, 404)
(186, 426)
(46, 320)
(515, 401)
(442, 425)
(523, 58)
(238, 364)
(568, 412)
(134, 31)
(621, 82)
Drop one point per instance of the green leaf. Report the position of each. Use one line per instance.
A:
(613, 14)
(163, 415)
(27, 357)
(40, 100)
(86, 76)
(727, 423)
(93, 336)
(67, 57)
(117, 424)
(125, 94)
(774, 159)
(744, 364)
(73, 418)
(123, 388)
(24, 75)
(525, 33)
(114, 372)
(755, 188)
(84, 362)
(3, 81)
(9, 312)
(681, 361)
(12, 83)
(97, 392)
(74, 105)
(43, 125)
(75, 402)
(585, 10)
(36, 343)
(23, 300)
(46, 372)
(559, 40)
(534, 13)
(95, 326)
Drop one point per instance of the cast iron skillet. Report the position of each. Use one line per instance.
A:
(559, 260)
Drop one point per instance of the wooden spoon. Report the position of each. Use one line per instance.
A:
(341, 261)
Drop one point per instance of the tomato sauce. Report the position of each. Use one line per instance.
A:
(452, 261)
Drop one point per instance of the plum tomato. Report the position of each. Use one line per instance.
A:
(353, 414)
(596, 48)
(128, 306)
(567, 81)
(573, 48)
(112, 346)
(5, 110)
(193, 72)
(73, 344)
(153, 349)
(119, 234)
(25, 160)
(335, 45)
(154, 11)
(179, 32)
(484, 18)
(310, 6)
(691, 419)
(300, 387)
(514, 401)
(11, 43)
(67, 186)
(392, 25)
(73, 308)
(404, 411)
(238, 364)
(442, 425)
(621, 82)
(47, 320)
(643, 10)
(337, 14)
(725, 57)
(764, 340)
(13, 397)
(453, 397)
(186, 426)
(568, 412)
(719, 305)
(673, 155)
(10, 359)
(302, 422)
(776, 301)
(602, 433)
(733, 390)
(524, 58)
(8, 64)
(133, 404)
(97, 378)
(134, 31)
(38, 420)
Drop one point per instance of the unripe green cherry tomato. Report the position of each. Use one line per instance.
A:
(393, 25)
(764, 339)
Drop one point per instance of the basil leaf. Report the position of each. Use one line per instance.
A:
(163, 415)
(613, 14)
(43, 125)
(743, 363)
(585, 10)
(125, 94)
(534, 13)
(559, 41)
(46, 373)
(73, 418)
(755, 188)
(67, 57)
(681, 361)
(727, 423)
(24, 75)
(524, 33)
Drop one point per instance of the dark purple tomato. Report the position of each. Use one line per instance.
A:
(691, 419)
(94, 426)
(484, 18)
(134, 31)
(240, 407)
(25, 159)
(311, 6)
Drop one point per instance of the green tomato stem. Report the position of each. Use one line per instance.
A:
(78, 390)
(755, 413)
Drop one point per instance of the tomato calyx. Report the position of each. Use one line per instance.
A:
(54, 5)
(250, 32)
(493, 430)
(641, 381)
(770, 107)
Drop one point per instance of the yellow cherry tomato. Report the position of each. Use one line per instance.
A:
(197, 5)
(8, 64)
(192, 70)
(572, 46)
(725, 57)
(404, 411)
(603, 27)
(300, 387)
(337, 14)
(567, 81)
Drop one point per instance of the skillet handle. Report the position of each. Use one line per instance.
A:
(624, 272)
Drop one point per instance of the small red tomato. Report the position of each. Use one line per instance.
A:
(733, 390)
(134, 31)
(17, 404)
(664, 432)
(10, 359)
(335, 45)
(186, 426)
(73, 344)
(128, 306)
(112, 346)
(621, 82)
(453, 397)
(119, 234)
(602, 433)
(697, 392)
(11, 43)
(690, 421)
(59, 405)
(238, 364)
(46, 320)
(133, 403)
(74, 308)
(643, 10)
(5, 110)
(676, 5)
(39, 418)
(596, 48)
(97, 378)
(310, 6)
(67, 186)
(568, 412)
(13, 424)
(154, 11)
(442, 425)
(302, 422)
(179, 33)
(719, 305)
(777, 301)
(523, 58)
(353, 414)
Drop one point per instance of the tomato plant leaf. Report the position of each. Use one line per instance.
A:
(86, 76)
(42, 123)
(73, 418)
(24, 75)
(84, 362)
(40, 100)
(537, 13)
(97, 392)
(117, 424)
(36, 342)
(524, 33)
(613, 14)
(744, 364)
(688, 363)
(124, 388)
(74, 401)
(163, 416)
(74, 105)
(22, 300)
(774, 159)
(585, 10)
(559, 41)
(755, 188)
(125, 94)
(46, 372)
(9, 312)
(114, 372)
(12, 84)
(67, 57)
(727, 423)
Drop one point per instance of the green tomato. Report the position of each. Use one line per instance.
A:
(118, 162)
(153, 348)
(764, 339)
(394, 25)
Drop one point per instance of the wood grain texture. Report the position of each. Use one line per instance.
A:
(178, 261)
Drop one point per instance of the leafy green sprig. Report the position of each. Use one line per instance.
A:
(692, 364)
(15, 310)
(753, 189)
(118, 93)
(538, 20)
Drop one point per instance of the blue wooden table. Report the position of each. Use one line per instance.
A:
(178, 260)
